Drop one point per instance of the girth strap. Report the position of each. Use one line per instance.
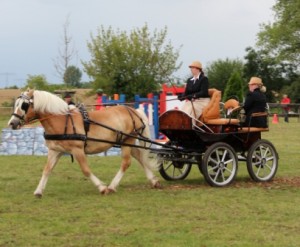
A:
(65, 137)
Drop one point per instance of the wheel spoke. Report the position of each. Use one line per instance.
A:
(168, 166)
(230, 171)
(218, 155)
(213, 160)
(180, 171)
(261, 151)
(224, 155)
(212, 168)
(264, 171)
(266, 151)
(270, 158)
(173, 171)
(270, 168)
(216, 176)
(257, 156)
(228, 161)
(258, 169)
(255, 163)
(222, 173)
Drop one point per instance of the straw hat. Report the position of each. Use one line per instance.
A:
(255, 81)
(196, 64)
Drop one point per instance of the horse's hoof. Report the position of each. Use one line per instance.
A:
(38, 195)
(157, 185)
(107, 191)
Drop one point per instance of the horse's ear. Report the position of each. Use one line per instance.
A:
(30, 92)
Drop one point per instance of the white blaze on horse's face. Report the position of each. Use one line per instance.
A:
(19, 111)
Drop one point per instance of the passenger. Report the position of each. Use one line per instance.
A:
(255, 102)
(68, 100)
(196, 91)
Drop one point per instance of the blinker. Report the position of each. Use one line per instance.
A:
(25, 106)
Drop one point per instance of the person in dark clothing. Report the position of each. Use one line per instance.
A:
(68, 100)
(196, 91)
(255, 102)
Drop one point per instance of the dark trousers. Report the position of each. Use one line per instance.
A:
(286, 115)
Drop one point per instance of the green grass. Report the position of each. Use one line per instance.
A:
(185, 213)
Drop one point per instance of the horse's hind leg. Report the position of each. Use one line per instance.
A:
(80, 156)
(53, 157)
(142, 156)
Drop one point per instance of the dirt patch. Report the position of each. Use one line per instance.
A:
(276, 183)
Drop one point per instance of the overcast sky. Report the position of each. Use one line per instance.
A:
(31, 30)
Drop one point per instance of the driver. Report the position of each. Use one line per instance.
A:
(196, 91)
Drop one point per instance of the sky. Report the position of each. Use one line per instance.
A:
(31, 31)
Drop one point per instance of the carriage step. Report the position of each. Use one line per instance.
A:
(242, 158)
(252, 129)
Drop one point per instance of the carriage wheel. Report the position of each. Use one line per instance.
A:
(262, 161)
(219, 164)
(174, 170)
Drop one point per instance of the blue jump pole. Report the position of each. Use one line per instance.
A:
(138, 100)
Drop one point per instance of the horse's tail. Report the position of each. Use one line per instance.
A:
(146, 158)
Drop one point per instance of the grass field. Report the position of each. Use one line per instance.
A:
(185, 213)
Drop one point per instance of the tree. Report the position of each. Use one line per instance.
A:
(72, 76)
(293, 91)
(281, 39)
(66, 53)
(131, 63)
(219, 72)
(38, 82)
(274, 75)
(234, 87)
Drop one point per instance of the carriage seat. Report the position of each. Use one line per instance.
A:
(255, 129)
(211, 113)
(212, 110)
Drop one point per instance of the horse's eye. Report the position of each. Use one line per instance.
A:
(25, 106)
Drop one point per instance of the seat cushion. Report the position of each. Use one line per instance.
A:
(223, 121)
(212, 110)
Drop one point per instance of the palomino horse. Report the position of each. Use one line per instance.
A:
(57, 120)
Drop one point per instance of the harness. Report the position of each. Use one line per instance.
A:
(120, 136)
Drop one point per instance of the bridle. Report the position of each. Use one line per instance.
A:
(25, 106)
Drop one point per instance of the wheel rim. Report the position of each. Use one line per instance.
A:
(175, 170)
(263, 162)
(221, 166)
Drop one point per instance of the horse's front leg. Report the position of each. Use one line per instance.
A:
(53, 157)
(126, 161)
(80, 156)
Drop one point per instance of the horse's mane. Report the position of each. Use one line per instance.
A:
(46, 102)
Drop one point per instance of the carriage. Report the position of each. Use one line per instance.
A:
(215, 144)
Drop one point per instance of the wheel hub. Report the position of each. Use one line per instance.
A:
(221, 165)
(263, 162)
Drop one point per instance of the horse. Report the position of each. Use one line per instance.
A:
(67, 133)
